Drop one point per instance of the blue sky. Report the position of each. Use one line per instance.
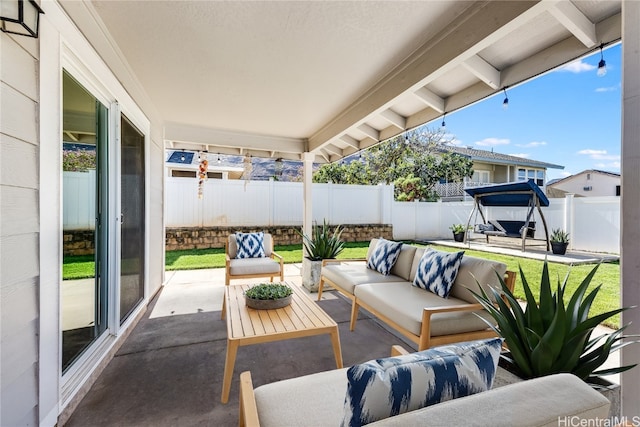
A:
(570, 117)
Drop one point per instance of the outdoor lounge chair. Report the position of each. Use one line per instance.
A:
(271, 265)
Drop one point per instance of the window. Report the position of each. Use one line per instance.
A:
(617, 190)
(537, 175)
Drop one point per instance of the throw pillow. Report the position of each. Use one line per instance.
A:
(250, 245)
(382, 388)
(437, 271)
(384, 256)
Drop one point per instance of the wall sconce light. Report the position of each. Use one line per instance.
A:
(602, 65)
(505, 103)
(20, 17)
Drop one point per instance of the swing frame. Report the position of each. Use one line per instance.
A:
(515, 194)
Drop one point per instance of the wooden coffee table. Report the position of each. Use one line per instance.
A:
(246, 326)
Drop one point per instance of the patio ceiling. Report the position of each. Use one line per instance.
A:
(276, 79)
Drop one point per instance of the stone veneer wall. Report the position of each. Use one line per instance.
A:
(80, 242)
(215, 237)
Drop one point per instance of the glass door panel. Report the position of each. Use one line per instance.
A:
(132, 218)
(84, 193)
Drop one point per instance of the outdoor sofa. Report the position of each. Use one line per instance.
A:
(422, 316)
(326, 399)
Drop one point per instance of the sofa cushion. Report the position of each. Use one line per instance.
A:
(348, 276)
(384, 256)
(404, 303)
(247, 266)
(540, 402)
(402, 267)
(482, 270)
(315, 399)
(387, 387)
(437, 271)
(250, 245)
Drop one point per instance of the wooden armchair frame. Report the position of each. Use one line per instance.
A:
(228, 276)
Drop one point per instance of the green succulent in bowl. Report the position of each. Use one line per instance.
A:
(268, 291)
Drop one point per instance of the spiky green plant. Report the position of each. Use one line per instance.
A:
(267, 291)
(550, 337)
(323, 244)
(559, 235)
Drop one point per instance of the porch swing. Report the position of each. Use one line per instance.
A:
(515, 194)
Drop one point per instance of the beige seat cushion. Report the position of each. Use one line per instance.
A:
(404, 303)
(347, 276)
(246, 266)
(312, 400)
(541, 402)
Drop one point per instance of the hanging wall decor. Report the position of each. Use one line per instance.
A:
(248, 167)
(202, 174)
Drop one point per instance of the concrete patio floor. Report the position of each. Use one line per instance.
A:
(169, 370)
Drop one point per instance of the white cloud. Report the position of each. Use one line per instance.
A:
(566, 174)
(600, 155)
(532, 144)
(577, 67)
(492, 142)
(612, 165)
(607, 89)
(523, 155)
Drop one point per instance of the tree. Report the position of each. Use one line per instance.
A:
(413, 162)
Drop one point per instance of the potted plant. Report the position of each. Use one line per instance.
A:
(551, 336)
(323, 244)
(458, 232)
(268, 296)
(559, 241)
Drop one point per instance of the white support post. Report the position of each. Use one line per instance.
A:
(630, 203)
(307, 196)
(569, 216)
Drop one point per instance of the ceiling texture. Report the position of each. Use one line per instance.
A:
(280, 78)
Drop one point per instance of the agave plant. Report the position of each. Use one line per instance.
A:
(323, 244)
(550, 337)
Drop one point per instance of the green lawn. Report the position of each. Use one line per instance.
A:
(608, 274)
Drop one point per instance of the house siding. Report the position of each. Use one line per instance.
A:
(19, 225)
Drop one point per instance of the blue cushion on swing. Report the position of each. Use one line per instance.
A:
(485, 227)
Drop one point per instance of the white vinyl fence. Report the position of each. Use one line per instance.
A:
(592, 222)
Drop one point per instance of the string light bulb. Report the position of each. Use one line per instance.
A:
(505, 103)
(443, 126)
(602, 65)
(219, 161)
(182, 157)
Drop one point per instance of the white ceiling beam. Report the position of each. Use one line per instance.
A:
(573, 20)
(491, 22)
(349, 140)
(332, 149)
(395, 119)
(367, 130)
(430, 98)
(483, 70)
(178, 132)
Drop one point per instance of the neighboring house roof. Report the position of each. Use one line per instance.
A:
(567, 178)
(498, 158)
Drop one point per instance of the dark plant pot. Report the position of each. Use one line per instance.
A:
(268, 304)
(559, 248)
(458, 237)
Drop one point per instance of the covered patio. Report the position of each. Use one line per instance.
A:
(314, 81)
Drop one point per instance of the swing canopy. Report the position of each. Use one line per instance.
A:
(514, 194)
(509, 194)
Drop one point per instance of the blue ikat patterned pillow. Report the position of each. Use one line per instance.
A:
(437, 271)
(384, 256)
(250, 245)
(382, 388)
